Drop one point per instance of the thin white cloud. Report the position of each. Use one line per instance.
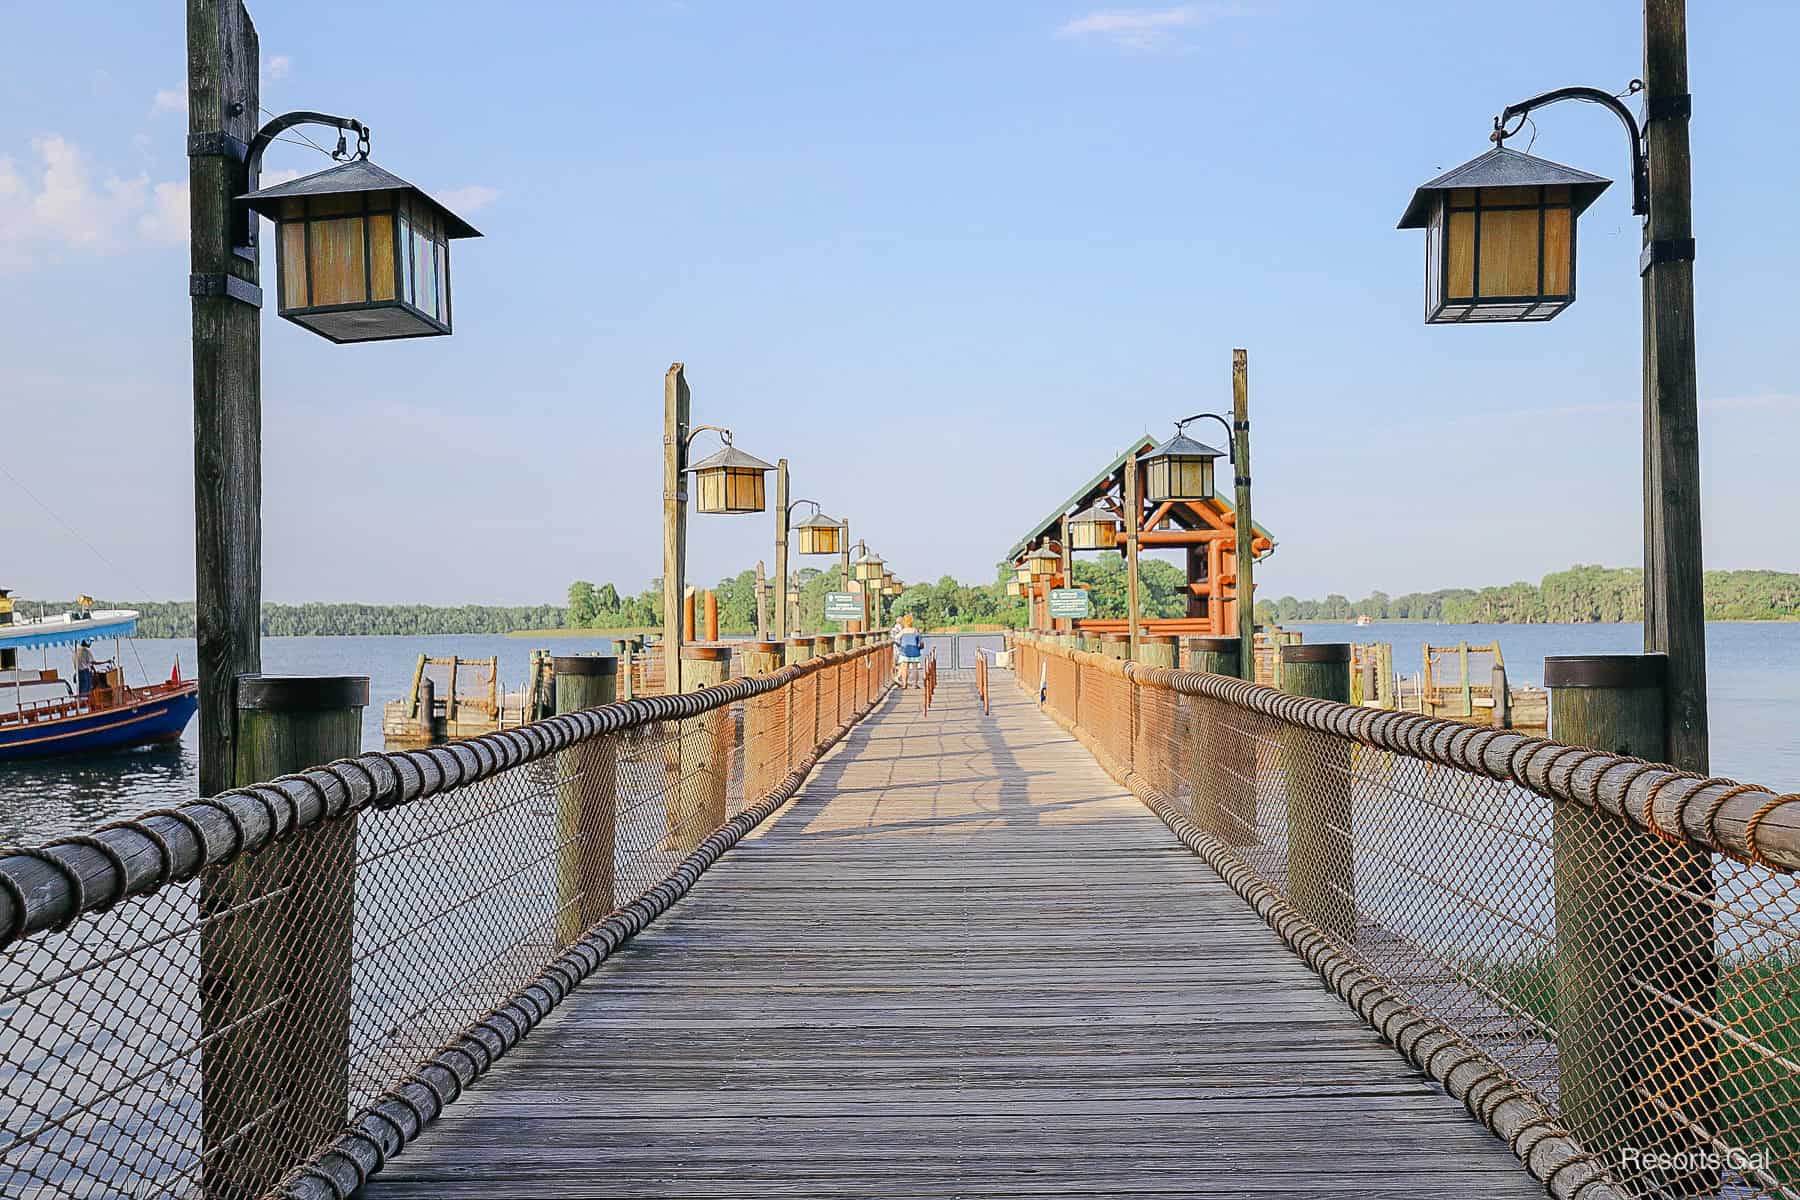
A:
(169, 100)
(55, 201)
(167, 219)
(472, 198)
(1147, 28)
(278, 67)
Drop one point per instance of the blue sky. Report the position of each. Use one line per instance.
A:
(945, 257)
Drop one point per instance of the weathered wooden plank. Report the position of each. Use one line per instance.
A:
(962, 963)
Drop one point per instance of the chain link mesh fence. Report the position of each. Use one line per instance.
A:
(1620, 940)
(201, 1000)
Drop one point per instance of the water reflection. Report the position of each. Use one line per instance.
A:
(56, 795)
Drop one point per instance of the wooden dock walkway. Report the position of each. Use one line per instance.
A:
(963, 962)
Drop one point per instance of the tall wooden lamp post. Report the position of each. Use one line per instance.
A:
(361, 256)
(1500, 246)
(818, 534)
(1182, 469)
(728, 481)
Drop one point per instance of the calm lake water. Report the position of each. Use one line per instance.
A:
(1754, 669)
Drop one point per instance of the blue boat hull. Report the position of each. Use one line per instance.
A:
(146, 722)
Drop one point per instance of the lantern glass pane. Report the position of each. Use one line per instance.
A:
(382, 284)
(1459, 266)
(1559, 251)
(292, 249)
(334, 262)
(424, 264)
(1508, 257)
(406, 272)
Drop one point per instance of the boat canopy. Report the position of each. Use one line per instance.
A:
(67, 629)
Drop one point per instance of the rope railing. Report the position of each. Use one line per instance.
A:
(280, 986)
(1599, 956)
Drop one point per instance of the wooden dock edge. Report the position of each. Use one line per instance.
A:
(386, 1127)
(1542, 1145)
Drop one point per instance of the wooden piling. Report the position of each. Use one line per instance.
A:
(1636, 963)
(1316, 771)
(712, 615)
(275, 950)
(1224, 800)
(765, 724)
(1116, 645)
(587, 790)
(705, 751)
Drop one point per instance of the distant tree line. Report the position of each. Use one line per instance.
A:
(175, 618)
(1578, 595)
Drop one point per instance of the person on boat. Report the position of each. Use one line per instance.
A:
(84, 670)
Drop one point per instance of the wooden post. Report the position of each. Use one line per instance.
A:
(1116, 645)
(1674, 605)
(275, 950)
(765, 724)
(705, 751)
(782, 504)
(1225, 778)
(1636, 965)
(1502, 697)
(688, 623)
(762, 603)
(1134, 517)
(628, 649)
(1155, 650)
(1067, 567)
(1316, 770)
(223, 113)
(677, 404)
(427, 709)
(844, 560)
(1245, 527)
(712, 615)
(1468, 685)
(587, 791)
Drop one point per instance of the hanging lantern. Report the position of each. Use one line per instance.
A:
(1500, 237)
(1093, 529)
(893, 587)
(1179, 469)
(819, 534)
(1042, 563)
(1015, 588)
(869, 566)
(730, 482)
(1023, 573)
(361, 255)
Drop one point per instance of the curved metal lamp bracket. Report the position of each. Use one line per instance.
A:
(1230, 436)
(245, 241)
(697, 430)
(1640, 171)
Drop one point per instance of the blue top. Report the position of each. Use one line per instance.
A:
(65, 631)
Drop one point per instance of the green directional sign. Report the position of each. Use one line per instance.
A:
(1071, 603)
(843, 606)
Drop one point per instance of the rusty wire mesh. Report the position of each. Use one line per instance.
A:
(284, 956)
(1620, 939)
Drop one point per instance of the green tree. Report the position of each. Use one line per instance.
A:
(583, 610)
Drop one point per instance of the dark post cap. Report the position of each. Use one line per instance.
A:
(1215, 645)
(707, 653)
(1316, 652)
(762, 647)
(302, 693)
(1157, 639)
(585, 664)
(1115, 637)
(1606, 671)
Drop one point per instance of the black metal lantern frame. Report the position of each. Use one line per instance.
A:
(818, 534)
(1094, 528)
(1159, 475)
(729, 481)
(361, 254)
